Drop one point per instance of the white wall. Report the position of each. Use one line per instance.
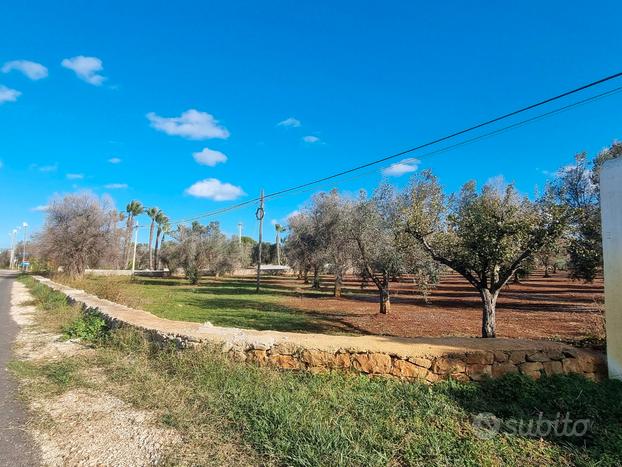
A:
(611, 212)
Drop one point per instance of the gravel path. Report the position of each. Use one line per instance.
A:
(16, 446)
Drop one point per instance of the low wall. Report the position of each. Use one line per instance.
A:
(430, 359)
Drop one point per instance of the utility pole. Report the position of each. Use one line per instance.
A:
(240, 233)
(134, 254)
(12, 234)
(259, 215)
(25, 226)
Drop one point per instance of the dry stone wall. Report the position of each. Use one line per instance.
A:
(429, 359)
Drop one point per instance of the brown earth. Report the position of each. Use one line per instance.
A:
(537, 308)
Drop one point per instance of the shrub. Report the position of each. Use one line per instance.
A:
(89, 327)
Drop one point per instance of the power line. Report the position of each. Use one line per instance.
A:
(481, 137)
(439, 140)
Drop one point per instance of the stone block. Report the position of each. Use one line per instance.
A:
(445, 366)
(528, 368)
(500, 369)
(480, 358)
(553, 367)
(374, 363)
(555, 355)
(287, 362)
(517, 356)
(432, 377)
(285, 348)
(256, 356)
(463, 378)
(421, 361)
(404, 369)
(590, 362)
(538, 357)
(340, 360)
(501, 357)
(315, 357)
(479, 372)
(571, 365)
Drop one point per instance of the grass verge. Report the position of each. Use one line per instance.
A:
(228, 302)
(231, 413)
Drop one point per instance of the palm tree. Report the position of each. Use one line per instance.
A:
(279, 229)
(133, 209)
(152, 213)
(162, 220)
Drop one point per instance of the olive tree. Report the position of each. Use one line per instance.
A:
(80, 231)
(202, 247)
(304, 247)
(331, 214)
(577, 186)
(384, 252)
(485, 236)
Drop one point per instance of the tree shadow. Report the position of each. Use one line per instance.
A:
(260, 315)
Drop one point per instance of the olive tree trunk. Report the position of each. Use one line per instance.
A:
(316, 278)
(385, 298)
(385, 301)
(338, 284)
(489, 300)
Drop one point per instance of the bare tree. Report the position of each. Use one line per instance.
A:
(80, 231)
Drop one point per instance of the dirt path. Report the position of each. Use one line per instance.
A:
(82, 426)
(16, 446)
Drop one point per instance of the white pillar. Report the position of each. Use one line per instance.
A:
(611, 212)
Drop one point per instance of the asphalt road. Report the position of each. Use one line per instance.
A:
(16, 448)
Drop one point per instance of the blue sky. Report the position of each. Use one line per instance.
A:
(131, 91)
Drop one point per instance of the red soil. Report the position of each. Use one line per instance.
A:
(547, 308)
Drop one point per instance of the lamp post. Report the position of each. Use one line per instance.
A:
(25, 226)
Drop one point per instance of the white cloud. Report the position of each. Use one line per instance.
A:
(290, 122)
(209, 157)
(86, 68)
(292, 214)
(45, 168)
(32, 70)
(402, 167)
(214, 189)
(115, 186)
(310, 139)
(8, 94)
(41, 208)
(114, 160)
(192, 124)
(74, 176)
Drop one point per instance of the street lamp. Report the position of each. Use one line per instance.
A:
(25, 226)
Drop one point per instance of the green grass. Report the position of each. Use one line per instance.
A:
(300, 419)
(222, 302)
